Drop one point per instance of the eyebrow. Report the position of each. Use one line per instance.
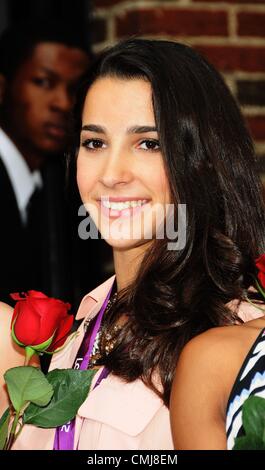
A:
(130, 130)
(48, 71)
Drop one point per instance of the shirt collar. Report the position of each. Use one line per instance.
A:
(95, 296)
(24, 181)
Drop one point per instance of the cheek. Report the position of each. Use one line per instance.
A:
(36, 111)
(28, 117)
(86, 179)
(32, 104)
(161, 186)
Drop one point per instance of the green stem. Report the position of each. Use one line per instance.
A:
(19, 431)
(29, 352)
(12, 435)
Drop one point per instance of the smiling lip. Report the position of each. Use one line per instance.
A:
(128, 212)
(122, 199)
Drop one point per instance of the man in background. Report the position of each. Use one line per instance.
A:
(40, 67)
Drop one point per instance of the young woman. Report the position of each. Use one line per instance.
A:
(158, 127)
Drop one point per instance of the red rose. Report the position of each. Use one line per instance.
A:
(38, 319)
(260, 264)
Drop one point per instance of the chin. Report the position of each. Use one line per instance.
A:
(124, 245)
(122, 240)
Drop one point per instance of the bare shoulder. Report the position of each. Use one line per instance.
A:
(219, 353)
(8, 350)
(4, 308)
(209, 357)
(8, 353)
(218, 345)
(205, 373)
(6, 313)
(11, 355)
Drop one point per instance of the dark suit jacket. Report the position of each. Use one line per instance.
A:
(47, 254)
(15, 260)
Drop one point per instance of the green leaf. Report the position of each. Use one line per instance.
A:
(27, 384)
(253, 416)
(71, 388)
(4, 423)
(248, 442)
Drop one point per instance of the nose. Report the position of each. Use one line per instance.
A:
(117, 169)
(62, 99)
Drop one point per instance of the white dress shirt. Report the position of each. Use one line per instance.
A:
(24, 181)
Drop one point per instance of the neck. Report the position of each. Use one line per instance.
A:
(126, 264)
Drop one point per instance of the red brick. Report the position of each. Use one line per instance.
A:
(173, 22)
(231, 1)
(251, 24)
(229, 58)
(98, 30)
(251, 92)
(105, 3)
(256, 125)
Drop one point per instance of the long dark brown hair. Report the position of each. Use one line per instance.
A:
(210, 164)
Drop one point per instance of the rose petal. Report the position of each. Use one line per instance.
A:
(17, 296)
(36, 294)
(260, 263)
(261, 278)
(62, 333)
(27, 327)
(37, 316)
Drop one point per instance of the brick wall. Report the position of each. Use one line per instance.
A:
(231, 33)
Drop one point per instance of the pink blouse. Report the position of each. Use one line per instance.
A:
(116, 415)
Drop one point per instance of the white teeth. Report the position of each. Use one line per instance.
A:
(118, 206)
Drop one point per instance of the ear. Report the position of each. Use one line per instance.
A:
(2, 87)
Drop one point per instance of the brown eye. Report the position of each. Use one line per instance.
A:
(150, 144)
(43, 82)
(93, 144)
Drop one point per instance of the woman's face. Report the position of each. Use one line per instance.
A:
(120, 170)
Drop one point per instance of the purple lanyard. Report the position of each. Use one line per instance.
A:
(64, 436)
